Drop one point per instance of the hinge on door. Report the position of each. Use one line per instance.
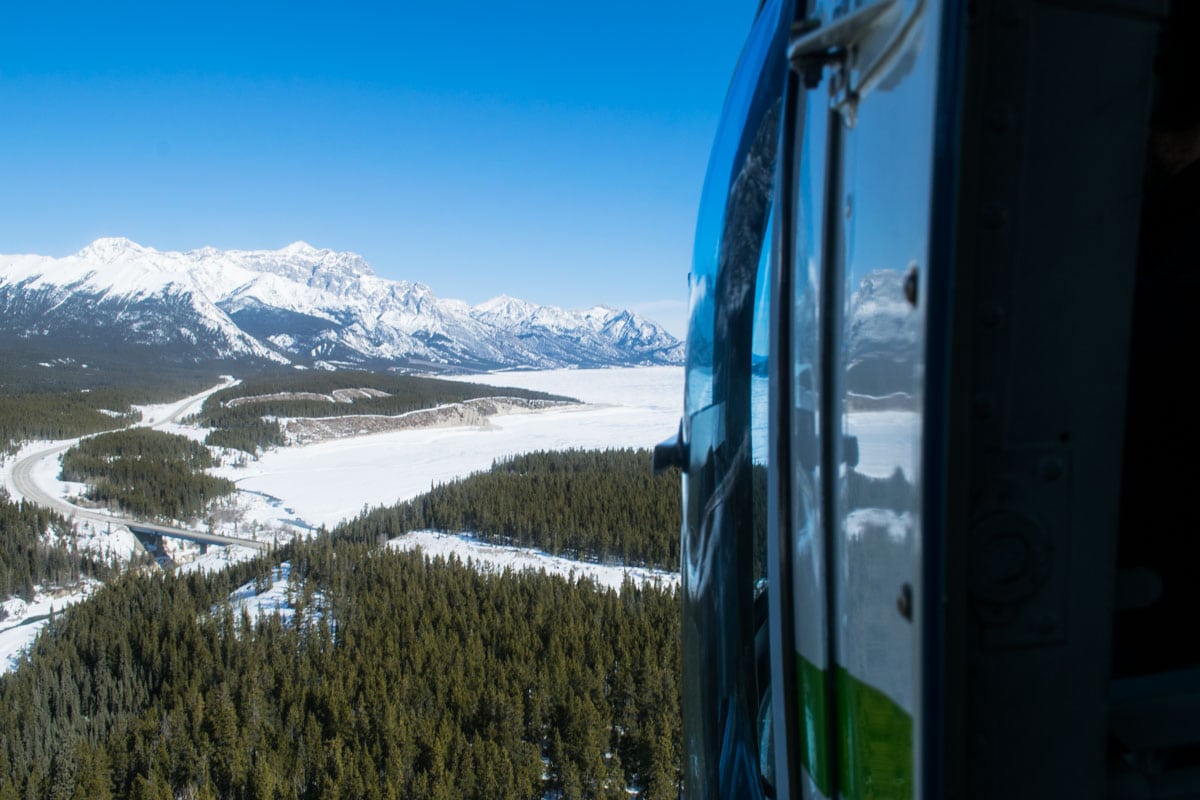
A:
(814, 45)
(810, 63)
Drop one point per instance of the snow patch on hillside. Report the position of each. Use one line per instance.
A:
(24, 620)
(276, 596)
(498, 558)
(217, 559)
(106, 542)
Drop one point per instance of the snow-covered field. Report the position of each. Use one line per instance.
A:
(498, 558)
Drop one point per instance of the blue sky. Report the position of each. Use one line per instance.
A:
(552, 151)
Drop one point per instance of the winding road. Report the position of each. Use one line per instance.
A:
(25, 485)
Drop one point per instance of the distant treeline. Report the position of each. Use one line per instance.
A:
(67, 363)
(403, 679)
(249, 427)
(146, 473)
(35, 549)
(55, 415)
(598, 505)
(75, 410)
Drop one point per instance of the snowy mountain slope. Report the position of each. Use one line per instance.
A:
(123, 290)
(303, 305)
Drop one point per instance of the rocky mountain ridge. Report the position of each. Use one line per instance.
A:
(303, 306)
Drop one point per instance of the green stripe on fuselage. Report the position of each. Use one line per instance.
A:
(875, 756)
(814, 743)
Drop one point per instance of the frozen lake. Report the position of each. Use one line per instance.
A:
(325, 483)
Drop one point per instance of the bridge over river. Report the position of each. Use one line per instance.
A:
(149, 533)
(151, 536)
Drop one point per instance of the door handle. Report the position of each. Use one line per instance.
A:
(671, 453)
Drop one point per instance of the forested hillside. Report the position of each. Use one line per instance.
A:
(62, 407)
(410, 680)
(39, 365)
(35, 549)
(598, 505)
(249, 425)
(146, 473)
(394, 678)
(61, 415)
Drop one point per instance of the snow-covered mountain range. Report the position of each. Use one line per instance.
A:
(304, 306)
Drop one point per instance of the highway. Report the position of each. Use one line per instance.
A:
(25, 485)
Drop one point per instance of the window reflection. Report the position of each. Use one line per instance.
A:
(760, 410)
(759, 387)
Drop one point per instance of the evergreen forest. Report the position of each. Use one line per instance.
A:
(69, 360)
(61, 416)
(146, 473)
(35, 549)
(593, 505)
(397, 677)
(393, 677)
(251, 426)
(57, 408)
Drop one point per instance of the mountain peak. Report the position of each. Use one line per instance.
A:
(506, 305)
(112, 248)
(299, 247)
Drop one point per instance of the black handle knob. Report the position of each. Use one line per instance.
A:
(671, 453)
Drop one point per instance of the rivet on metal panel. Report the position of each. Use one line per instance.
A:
(904, 603)
(912, 284)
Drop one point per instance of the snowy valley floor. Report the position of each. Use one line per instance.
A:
(295, 490)
(323, 484)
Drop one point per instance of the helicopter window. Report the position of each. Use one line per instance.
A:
(759, 460)
(760, 411)
(740, 168)
(723, 557)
